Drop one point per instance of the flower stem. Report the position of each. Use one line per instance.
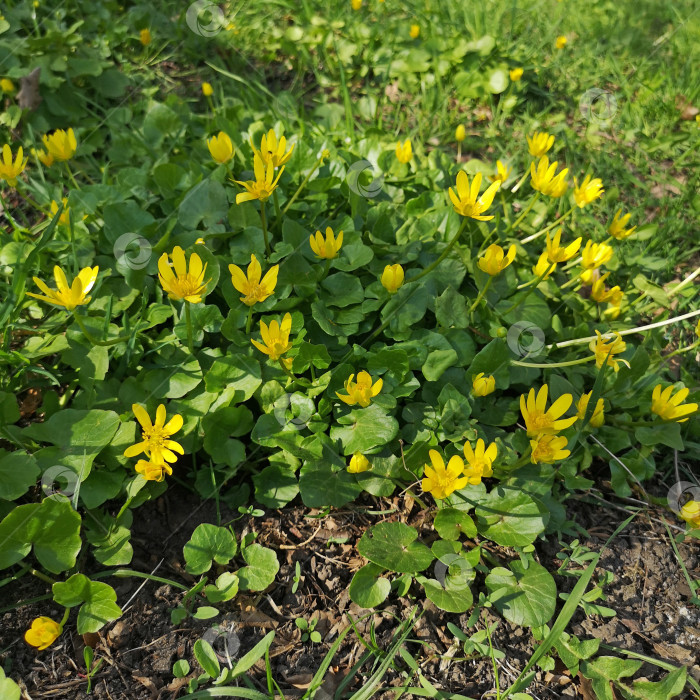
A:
(278, 213)
(533, 286)
(93, 340)
(551, 365)
(481, 294)
(249, 321)
(70, 175)
(443, 255)
(263, 221)
(548, 228)
(188, 318)
(524, 213)
(627, 331)
(287, 371)
(317, 165)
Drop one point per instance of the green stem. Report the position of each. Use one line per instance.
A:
(524, 213)
(326, 270)
(524, 459)
(527, 294)
(286, 370)
(70, 175)
(64, 619)
(680, 351)
(249, 322)
(481, 294)
(686, 281)
(317, 165)
(443, 255)
(520, 182)
(550, 365)
(93, 340)
(263, 221)
(548, 228)
(276, 201)
(188, 318)
(42, 576)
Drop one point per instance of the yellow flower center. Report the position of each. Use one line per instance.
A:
(255, 294)
(187, 285)
(540, 421)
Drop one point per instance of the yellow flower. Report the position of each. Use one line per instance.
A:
(43, 632)
(460, 133)
(544, 180)
(145, 36)
(362, 391)
(358, 463)
(253, 289)
(589, 191)
(153, 471)
(67, 295)
(207, 89)
(264, 184)
(556, 253)
(601, 295)
(221, 147)
(602, 348)
(542, 421)
(483, 385)
(697, 329)
(43, 156)
(502, 172)
(516, 74)
(539, 143)
(10, 170)
(7, 86)
(494, 260)
(182, 283)
(690, 512)
(467, 201)
(199, 241)
(598, 417)
(547, 449)
(155, 437)
(275, 337)
(480, 461)
(415, 31)
(560, 43)
(670, 407)
(328, 248)
(441, 480)
(325, 154)
(356, 4)
(60, 144)
(65, 214)
(404, 152)
(392, 277)
(617, 226)
(595, 254)
(271, 150)
(544, 268)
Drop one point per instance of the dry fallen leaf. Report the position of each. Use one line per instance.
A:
(28, 96)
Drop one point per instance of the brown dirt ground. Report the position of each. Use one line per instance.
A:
(649, 593)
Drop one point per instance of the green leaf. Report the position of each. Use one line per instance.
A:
(205, 203)
(248, 661)
(451, 309)
(523, 596)
(9, 410)
(206, 658)
(394, 546)
(9, 690)
(234, 372)
(18, 471)
(448, 598)
(208, 543)
(275, 486)
(668, 434)
(437, 362)
(181, 668)
(510, 517)
(81, 435)
(323, 484)
(226, 588)
(97, 601)
(494, 359)
(450, 523)
(368, 588)
(52, 527)
(364, 429)
(344, 289)
(261, 570)
(670, 687)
